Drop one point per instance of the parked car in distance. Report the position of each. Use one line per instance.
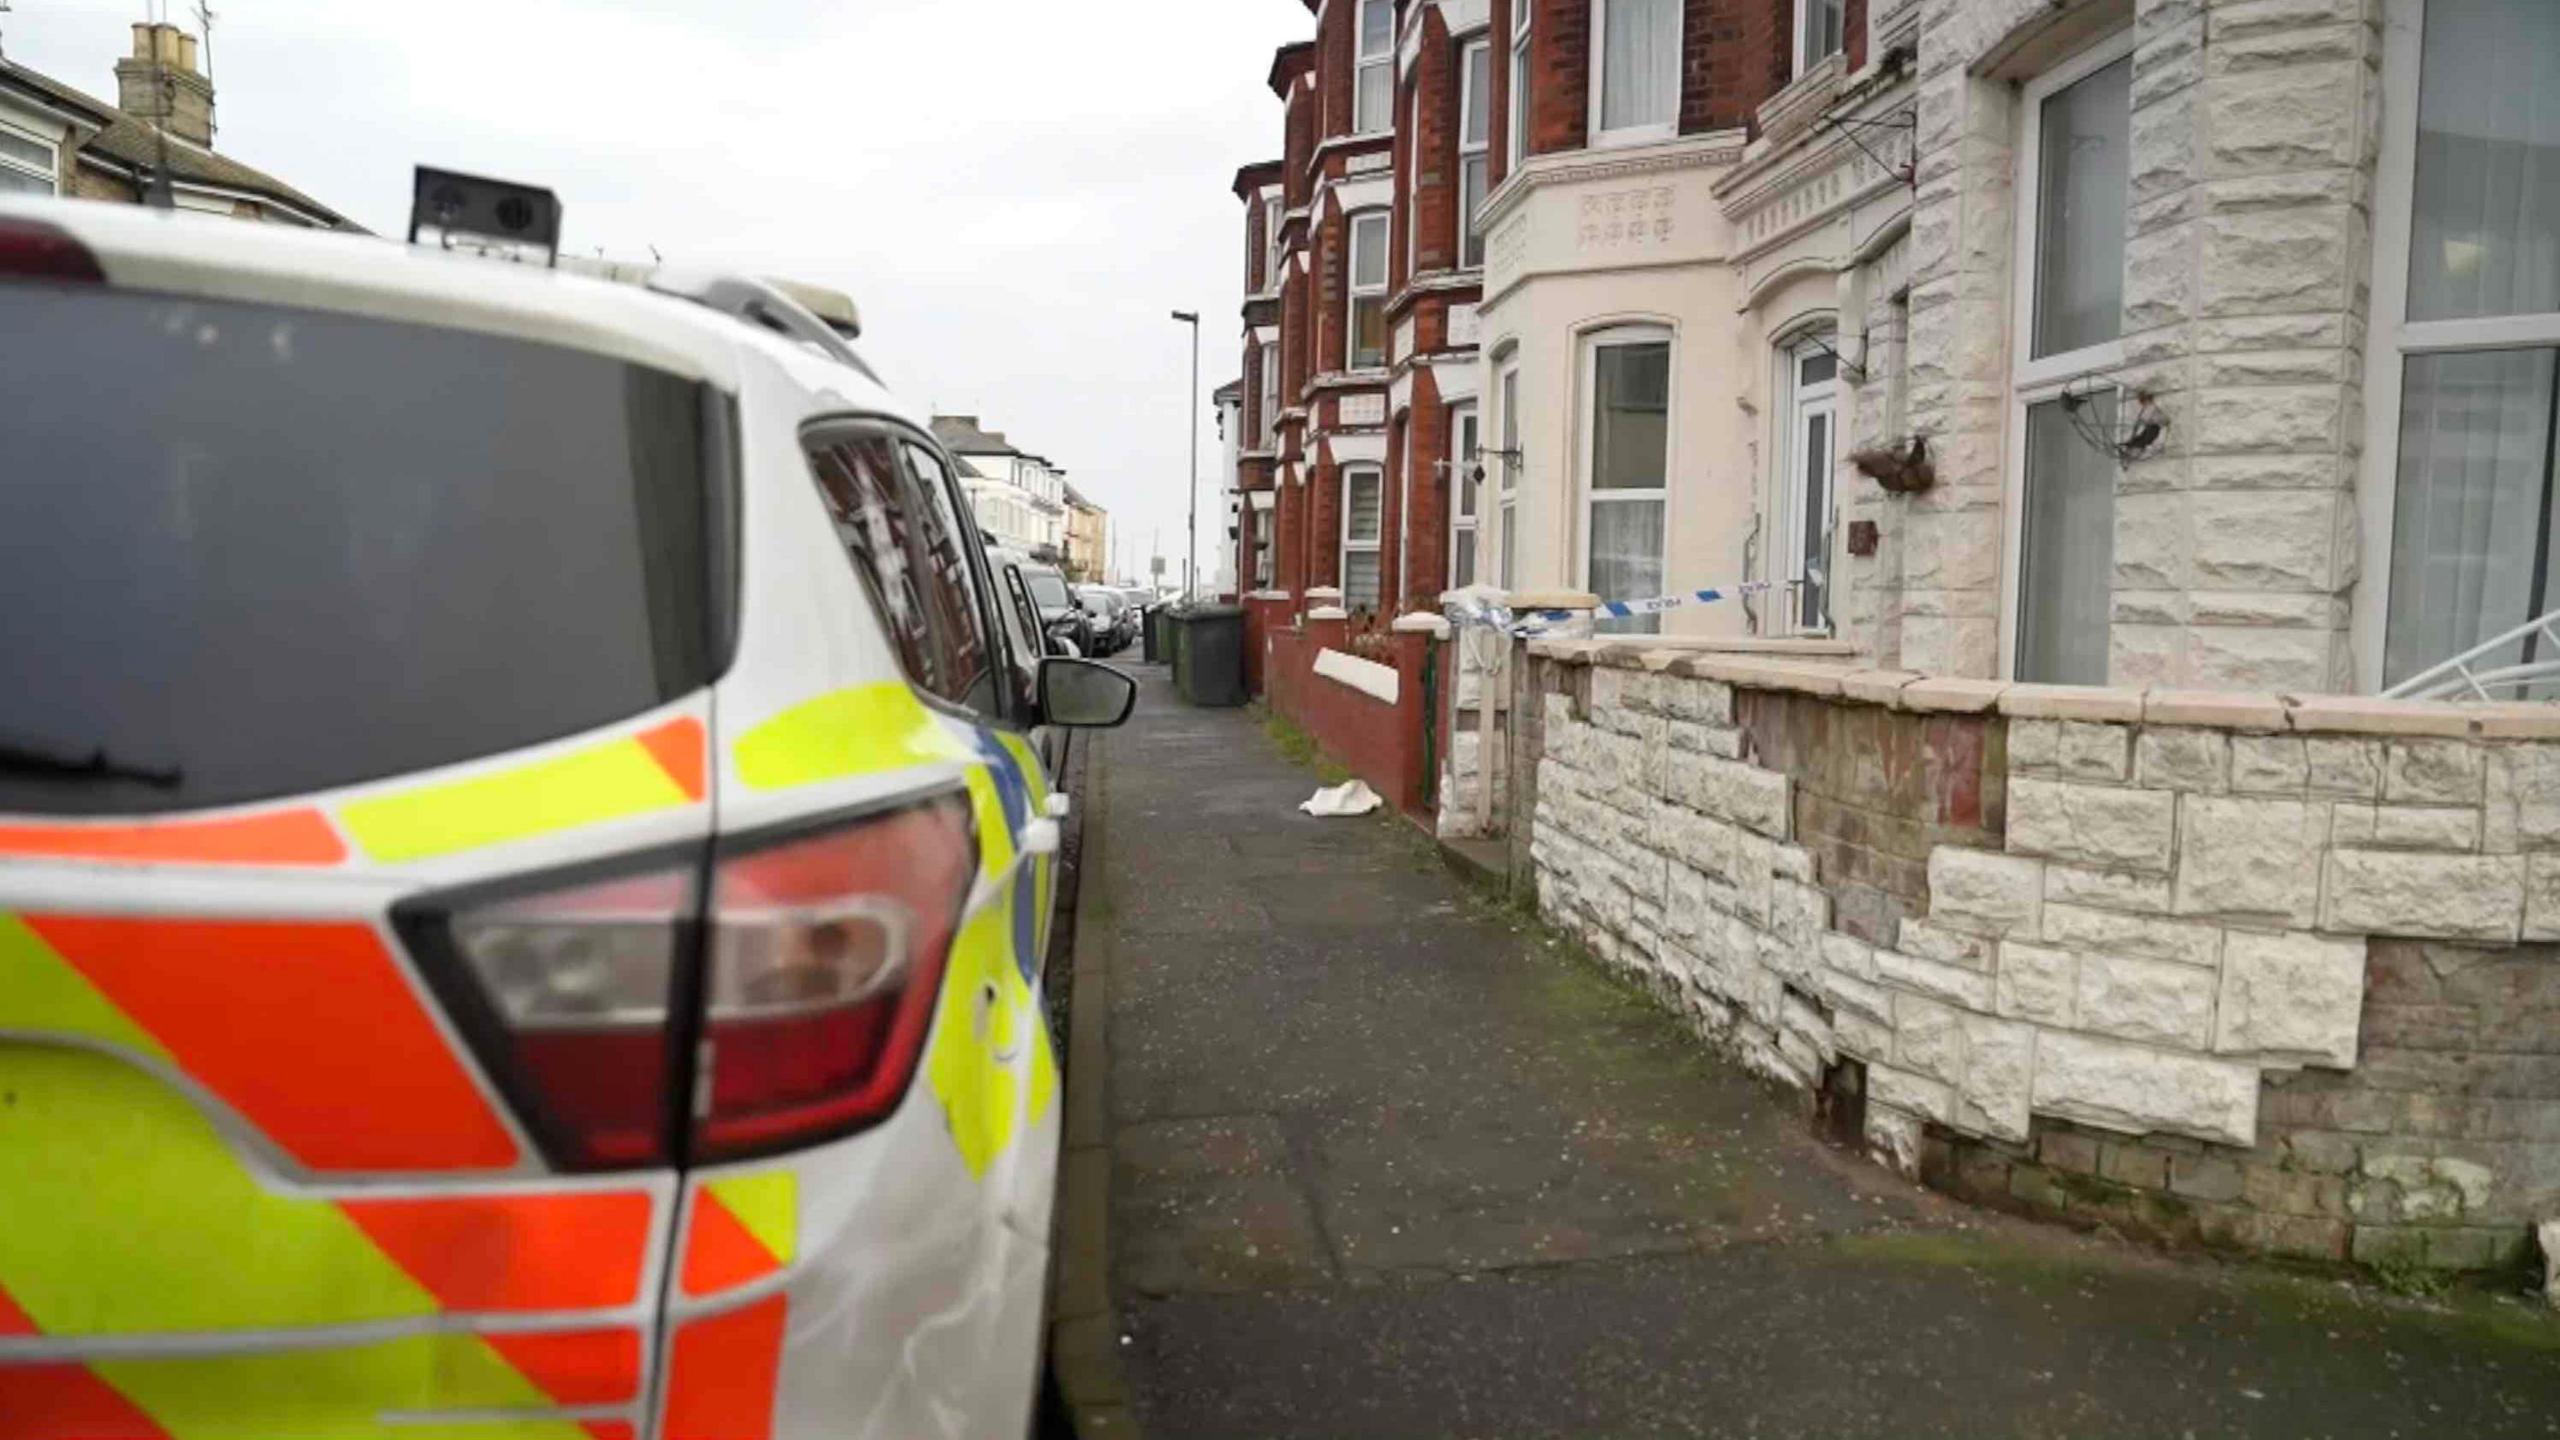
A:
(1114, 624)
(1068, 629)
(553, 942)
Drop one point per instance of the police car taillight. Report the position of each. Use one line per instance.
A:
(579, 980)
(33, 250)
(823, 961)
(618, 1012)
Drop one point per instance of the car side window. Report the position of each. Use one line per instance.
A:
(950, 534)
(911, 560)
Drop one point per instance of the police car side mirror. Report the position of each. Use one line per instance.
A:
(1084, 694)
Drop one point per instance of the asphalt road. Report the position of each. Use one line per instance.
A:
(1388, 1162)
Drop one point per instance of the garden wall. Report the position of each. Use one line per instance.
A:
(2256, 972)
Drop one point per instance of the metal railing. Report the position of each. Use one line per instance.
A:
(2463, 678)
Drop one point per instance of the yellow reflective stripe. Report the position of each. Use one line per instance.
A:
(583, 787)
(981, 1018)
(863, 730)
(126, 1214)
(338, 1393)
(767, 1205)
(48, 996)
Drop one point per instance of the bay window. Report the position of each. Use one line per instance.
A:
(2465, 358)
(1638, 94)
(1463, 496)
(1806, 504)
(1518, 147)
(1626, 377)
(2076, 125)
(1475, 130)
(1271, 245)
(1373, 95)
(1366, 334)
(1821, 31)
(1363, 522)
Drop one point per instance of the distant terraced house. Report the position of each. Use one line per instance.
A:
(58, 140)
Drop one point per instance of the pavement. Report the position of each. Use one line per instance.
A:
(1365, 1152)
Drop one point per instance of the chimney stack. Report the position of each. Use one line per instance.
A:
(159, 83)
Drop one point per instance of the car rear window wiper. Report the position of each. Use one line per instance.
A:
(19, 758)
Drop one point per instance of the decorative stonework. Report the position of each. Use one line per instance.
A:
(1640, 218)
(1365, 409)
(1463, 325)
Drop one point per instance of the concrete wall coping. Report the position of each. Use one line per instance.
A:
(1328, 612)
(1798, 673)
(1420, 622)
(1319, 594)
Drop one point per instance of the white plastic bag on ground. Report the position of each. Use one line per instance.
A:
(1351, 797)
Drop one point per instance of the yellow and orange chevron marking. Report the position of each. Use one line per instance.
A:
(743, 1228)
(132, 1215)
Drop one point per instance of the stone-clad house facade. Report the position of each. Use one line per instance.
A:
(2095, 404)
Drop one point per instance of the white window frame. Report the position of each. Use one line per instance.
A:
(1270, 351)
(1364, 61)
(2034, 381)
(51, 175)
(1588, 497)
(1374, 545)
(1805, 12)
(1270, 244)
(1471, 243)
(1631, 134)
(2392, 338)
(1506, 389)
(1354, 292)
(1516, 123)
(1796, 415)
(1463, 457)
(1412, 138)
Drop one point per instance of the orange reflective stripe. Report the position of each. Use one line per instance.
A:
(679, 748)
(720, 1252)
(575, 1251)
(285, 837)
(610, 1430)
(14, 1321)
(308, 1029)
(721, 1374)
(66, 1402)
(577, 1367)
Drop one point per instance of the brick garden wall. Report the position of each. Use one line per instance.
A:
(2226, 969)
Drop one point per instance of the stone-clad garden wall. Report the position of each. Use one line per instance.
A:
(2241, 969)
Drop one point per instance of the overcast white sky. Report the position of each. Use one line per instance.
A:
(1018, 192)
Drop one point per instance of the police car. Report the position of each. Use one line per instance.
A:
(523, 867)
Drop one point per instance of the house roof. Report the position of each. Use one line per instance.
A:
(1253, 177)
(132, 144)
(962, 435)
(1231, 392)
(1288, 63)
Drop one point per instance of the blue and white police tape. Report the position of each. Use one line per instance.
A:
(1529, 621)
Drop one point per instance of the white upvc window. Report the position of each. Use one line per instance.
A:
(1465, 498)
(1626, 476)
(1271, 244)
(2463, 363)
(1270, 394)
(29, 164)
(1364, 506)
(1808, 460)
(1636, 91)
(1506, 572)
(1365, 336)
(1821, 31)
(2076, 125)
(1518, 147)
(1412, 177)
(1374, 86)
(1475, 133)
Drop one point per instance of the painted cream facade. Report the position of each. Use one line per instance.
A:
(1584, 247)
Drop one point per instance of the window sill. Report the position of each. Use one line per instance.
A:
(1804, 98)
(1633, 135)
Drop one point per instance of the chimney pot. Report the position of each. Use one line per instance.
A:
(159, 83)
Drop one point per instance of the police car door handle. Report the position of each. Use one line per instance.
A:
(1056, 807)
(1039, 837)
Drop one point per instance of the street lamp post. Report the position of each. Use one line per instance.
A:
(1191, 550)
